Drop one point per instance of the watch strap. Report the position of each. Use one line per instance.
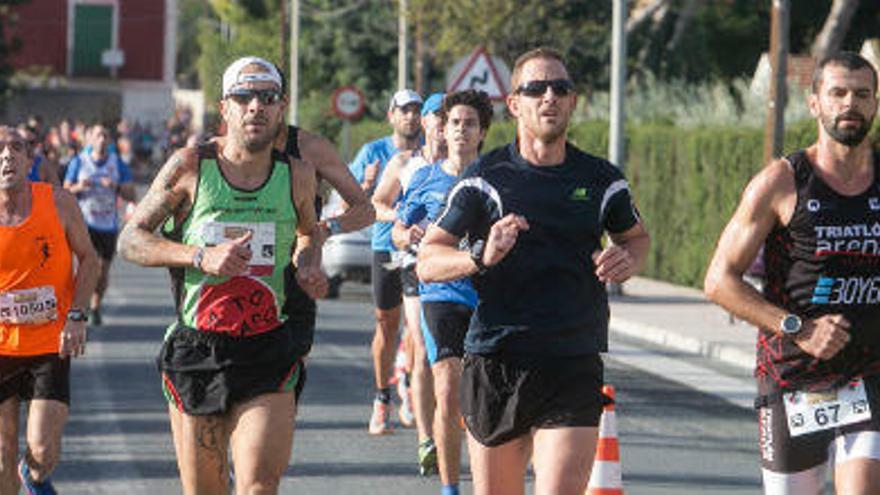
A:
(76, 314)
(333, 226)
(476, 251)
(198, 258)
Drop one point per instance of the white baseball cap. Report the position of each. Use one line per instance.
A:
(232, 76)
(403, 98)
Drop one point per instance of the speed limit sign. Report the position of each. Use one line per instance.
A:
(348, 102)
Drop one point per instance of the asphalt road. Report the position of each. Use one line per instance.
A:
(674, 439)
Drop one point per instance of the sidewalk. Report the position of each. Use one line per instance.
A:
(682, 319)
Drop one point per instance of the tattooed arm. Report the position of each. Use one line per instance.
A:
(170, 194)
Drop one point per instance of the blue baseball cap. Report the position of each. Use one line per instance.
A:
(432, 104)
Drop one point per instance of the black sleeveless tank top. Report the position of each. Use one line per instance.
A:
(291, 146)
(826, 261)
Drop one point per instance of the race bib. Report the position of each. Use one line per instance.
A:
(809, 412)
(103, 204)
(262, 243)
(29, 306)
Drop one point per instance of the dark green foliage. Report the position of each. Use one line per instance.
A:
(686, 182)
(8, 45)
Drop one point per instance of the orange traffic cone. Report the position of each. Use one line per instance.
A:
(605, 478)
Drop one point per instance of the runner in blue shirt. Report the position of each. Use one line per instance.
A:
(367, 168)
(417, 385)
(98, 177)
(446, 306)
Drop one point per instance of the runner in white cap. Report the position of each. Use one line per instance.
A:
(367, 168)
(232, 361)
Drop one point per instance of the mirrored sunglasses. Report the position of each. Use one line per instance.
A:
(245, 96)
(534, 89)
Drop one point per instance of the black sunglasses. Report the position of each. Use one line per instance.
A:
(266, 96)
(534, 89)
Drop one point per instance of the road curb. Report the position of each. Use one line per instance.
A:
(728, 354)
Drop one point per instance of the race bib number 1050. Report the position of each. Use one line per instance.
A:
(809, 412)
(29, 306)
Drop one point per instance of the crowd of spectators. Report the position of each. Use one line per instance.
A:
(142, 148)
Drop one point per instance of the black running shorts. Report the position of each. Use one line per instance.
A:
(782, 453)
(444, 327)
(409, 281)
(46, 376)
(104, 242)
(505, 397)
(207, 373)
(387, 290)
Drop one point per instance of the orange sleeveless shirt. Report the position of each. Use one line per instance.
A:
(36, 279)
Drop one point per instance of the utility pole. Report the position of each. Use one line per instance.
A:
(401, 44)
(419, 69)
(618, 80)
(285, 35)
(616, 139)
(294, 62)
(774, 132)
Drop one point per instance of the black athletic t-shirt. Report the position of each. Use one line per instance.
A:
(543, 298)
(826, 261)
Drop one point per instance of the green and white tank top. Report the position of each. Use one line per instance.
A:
(251, 303)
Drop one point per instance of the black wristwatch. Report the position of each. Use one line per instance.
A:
(76, 314)
(791, 325)
(334, 227)
(476, 251)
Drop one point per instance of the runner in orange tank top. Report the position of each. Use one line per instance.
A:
(42, 321)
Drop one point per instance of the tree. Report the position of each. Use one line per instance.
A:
(8, 45)
(643, 12)
(580, 29)
(232, 32)
(835, 28)
(191, 14)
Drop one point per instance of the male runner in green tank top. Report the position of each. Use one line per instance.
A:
(239, 215)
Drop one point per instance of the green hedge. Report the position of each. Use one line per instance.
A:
(686, 182)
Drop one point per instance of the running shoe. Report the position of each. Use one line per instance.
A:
(405, 412)
(428, 457)
(30, 486)
(399, 365)
(380, 421)
(95, 319)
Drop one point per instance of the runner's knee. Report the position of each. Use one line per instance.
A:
(43, 455)
(261, 484)
(447, 391)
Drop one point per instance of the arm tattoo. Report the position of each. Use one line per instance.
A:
(138, 239)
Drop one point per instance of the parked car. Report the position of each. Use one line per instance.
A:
(348, 256)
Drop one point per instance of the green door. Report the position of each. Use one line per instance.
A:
(93, 33)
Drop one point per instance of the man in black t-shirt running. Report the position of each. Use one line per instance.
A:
(533, 214)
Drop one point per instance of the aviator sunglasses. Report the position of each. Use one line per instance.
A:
(534, 89)
(245, 96)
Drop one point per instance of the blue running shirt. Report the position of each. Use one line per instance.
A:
(424, 201)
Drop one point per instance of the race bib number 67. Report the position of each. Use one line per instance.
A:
(809, 412)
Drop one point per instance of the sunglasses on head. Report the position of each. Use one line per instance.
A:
(245, 96)
(560, 87)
